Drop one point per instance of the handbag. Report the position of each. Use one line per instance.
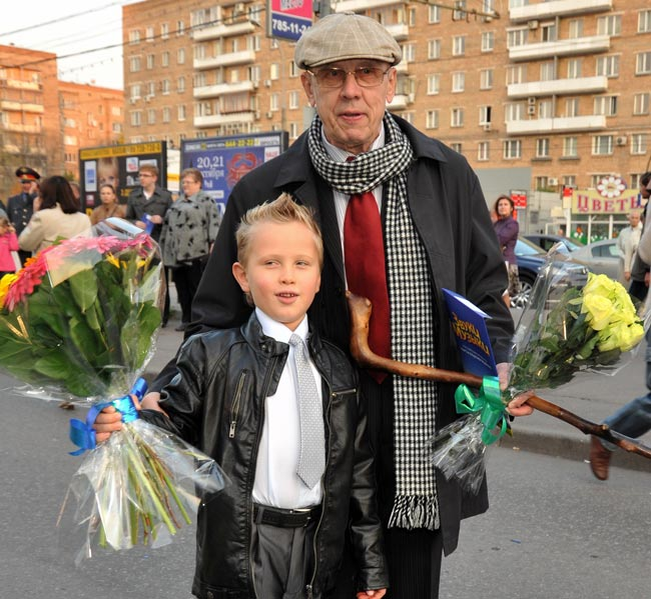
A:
(16, 258)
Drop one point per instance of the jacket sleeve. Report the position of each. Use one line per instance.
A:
(365, 525)
(644, 247)
(13, 242)
(33, 234)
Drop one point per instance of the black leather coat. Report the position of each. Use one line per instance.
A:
(217, 404)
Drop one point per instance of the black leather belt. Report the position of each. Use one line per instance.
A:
(263, 514)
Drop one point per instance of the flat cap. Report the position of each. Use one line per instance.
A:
(26, 173)
(345, 36)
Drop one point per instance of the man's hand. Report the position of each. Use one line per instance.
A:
(157, 219)
(519, 405)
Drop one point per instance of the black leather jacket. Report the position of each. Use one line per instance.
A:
(217, 404)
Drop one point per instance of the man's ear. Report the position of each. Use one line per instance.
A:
(240, 276)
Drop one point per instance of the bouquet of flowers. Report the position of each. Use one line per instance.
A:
(79, 321)
(575, 321)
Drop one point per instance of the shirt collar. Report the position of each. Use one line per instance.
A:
(278, 331)
(339, 155)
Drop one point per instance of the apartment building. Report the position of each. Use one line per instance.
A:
(91, 116)
(557, 90)
(29, 124)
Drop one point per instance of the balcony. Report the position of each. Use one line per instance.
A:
(558, 8)
(399, 102)
(557, 87)
(399, 31)
(222, 30)
(360, 5)
(223, 119)
(21, 106)
(20, 128)
(19, 84)
(595, 122)
(225, 60)
(570, 47)
(213, 91)
(402, 67)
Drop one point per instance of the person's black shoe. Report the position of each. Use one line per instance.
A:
(163, 324)
(182, 327)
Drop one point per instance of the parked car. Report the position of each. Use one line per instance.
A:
(547, 241)
(601, 257)
(531, 258)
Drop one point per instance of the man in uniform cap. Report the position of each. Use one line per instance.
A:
(359, 165)
(21, 207)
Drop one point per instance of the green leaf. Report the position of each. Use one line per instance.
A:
(84, 288)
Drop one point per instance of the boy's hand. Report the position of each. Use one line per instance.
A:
(377, 594)
(107, 422)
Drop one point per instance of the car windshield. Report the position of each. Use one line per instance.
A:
(524, 247)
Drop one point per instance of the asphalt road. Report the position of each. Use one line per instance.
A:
(553, 531)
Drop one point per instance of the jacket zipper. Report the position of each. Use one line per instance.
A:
(235, 408)
(265, 388)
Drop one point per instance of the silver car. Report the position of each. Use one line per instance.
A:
(601, 257)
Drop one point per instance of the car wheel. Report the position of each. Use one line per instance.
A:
(521, 299)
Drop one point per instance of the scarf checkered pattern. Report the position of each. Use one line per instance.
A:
(412, 319)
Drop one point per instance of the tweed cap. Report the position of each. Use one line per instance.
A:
(345, 36)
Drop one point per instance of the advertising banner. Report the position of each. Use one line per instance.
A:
(223, 161)
(288, 19)
(118, 166)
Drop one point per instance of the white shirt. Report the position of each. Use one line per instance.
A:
(276, 482)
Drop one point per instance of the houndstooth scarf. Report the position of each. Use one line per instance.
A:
(411, 307)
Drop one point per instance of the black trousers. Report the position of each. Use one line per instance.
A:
(414, 556)
(186, 279)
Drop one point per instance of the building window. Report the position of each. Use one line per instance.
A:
(294, 71)
(548, 32)
(570, 147)
(409, 52)
(608, 66)
(294, 98)
(641, 103)
(605, 105)
(512, 149)
(458, 45)
(574, 68)
(165, 86)
(602, 145)
(274, 71)
(180, 56)
(151, 61)
(151, 116)
(487, 41)
(486, 79)
(485, 115)
(432, 119)
(515, 74)
(483, 151)
(274, 102)
(151, 88)
(644, 21)
(569, 181)
(180, 85)
(638, 143)
(541, 183)
(456, 117)
(166, 114)
(514, 111)
(458, 81)
(457, 15)
(164, 30)
(433, 83)
(571, 107)
(643, 64)
(136, 118)
(547, 71)
(165, 59)
(433, 49)
(134, 36)
(542, 147)
(134, 64)
(545, 109)
(149, 34)
(135, 91)
(434, 14)
(457, 147)
(181, 112)
(516, 37)
(180, 28)
(575, 29)
(609, 25)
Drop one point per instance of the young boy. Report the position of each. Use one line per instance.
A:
(277, 530)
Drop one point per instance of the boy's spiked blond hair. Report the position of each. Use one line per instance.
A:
(282, 210)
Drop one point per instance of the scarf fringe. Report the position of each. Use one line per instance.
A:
(414, 511)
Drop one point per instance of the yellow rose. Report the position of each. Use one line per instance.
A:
(599, 311)
(600, 285)
(620, 336)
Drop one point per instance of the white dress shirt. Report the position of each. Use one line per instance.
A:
(276, 482)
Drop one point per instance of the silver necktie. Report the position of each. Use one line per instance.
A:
(311, 462)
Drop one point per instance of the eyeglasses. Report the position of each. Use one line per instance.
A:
(145, 175)
(364, 76)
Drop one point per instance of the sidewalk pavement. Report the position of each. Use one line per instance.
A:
(592, 397)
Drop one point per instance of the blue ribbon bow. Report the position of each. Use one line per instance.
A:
(488, 404)
(82, 433)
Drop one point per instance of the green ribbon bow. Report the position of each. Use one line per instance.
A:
(488, 403)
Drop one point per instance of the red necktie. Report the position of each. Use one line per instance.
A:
(365, 268)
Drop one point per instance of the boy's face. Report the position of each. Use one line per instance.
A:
(282, 271)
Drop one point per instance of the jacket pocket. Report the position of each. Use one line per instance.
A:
(236, 404)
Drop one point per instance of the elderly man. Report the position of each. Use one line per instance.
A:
(402, 217)
(628, 240)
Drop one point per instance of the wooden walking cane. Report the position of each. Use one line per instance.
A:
(360, 314)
